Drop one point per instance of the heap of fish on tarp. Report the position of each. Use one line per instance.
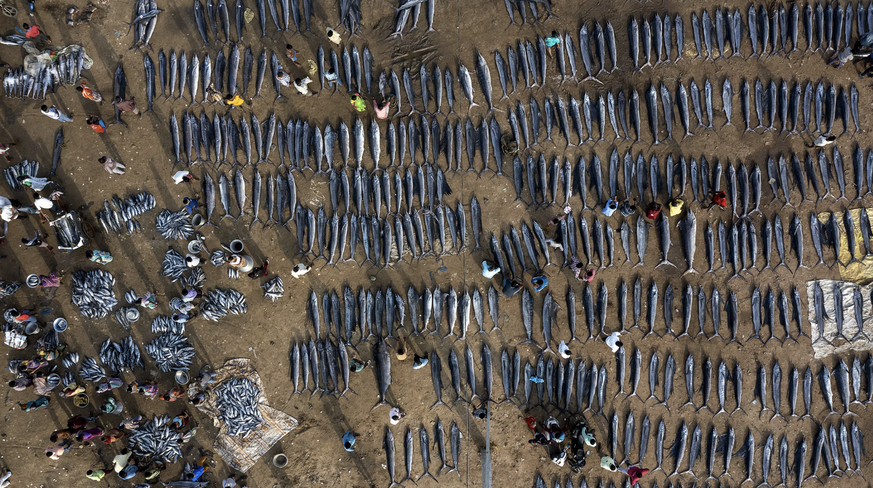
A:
(144, 22)
(156, 439)
(237, 401)
(412, 8)
(29, 168)
(93, 294)
(122, 215)
(163, 324)
(174, 225)
(217, 303)
(120, 356)
(8, 288)
(91, 371)
(171, 352)
(274, 288)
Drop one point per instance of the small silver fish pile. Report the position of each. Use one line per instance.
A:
(119, 357)
(237, 401)
(196, 279)
(274, 289)
(125, 211)
(218, 258)
(233, 273)
(174, 265)
(18, 84)
(219, 302)
(70, 360)
(171, 352)
(163, 324)
(68, 378)
(91, 371)
(29, 168)
(156, 439)
(174, 225)
(93, 294)
(8, 288)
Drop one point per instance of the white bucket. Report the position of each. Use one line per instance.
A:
(236, 246)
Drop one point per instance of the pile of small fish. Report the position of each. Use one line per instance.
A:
(324, 360)
(274, 288)
(238, 401)
(171, 352)
(8, 288)
(174, 225)
(174, 264)
(119, 357)
(425, 445)
(196, 279)
(122, 215)
(535, 15)
(217, 303)
(156, 439)
(350, 15)
(233, 273)
(126, 316)
(144, 22)
(25, 167)
(92, 293)
(163, 324)
(412, 8)
(91, 371)
(70, 360)
(218, 258)
(18, 84)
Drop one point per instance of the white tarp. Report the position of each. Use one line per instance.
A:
(825, 339)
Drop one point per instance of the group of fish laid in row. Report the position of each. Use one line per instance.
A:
(350, 15)
(122, 214)
(769, 30)
(828, 444)
(743, 185)
(92, 293)
(324, 361)
(144, 22)
(174, 225)
(412, 8)
(171, 352)
(424, 445)
(177, 71)
(156, 439)
(217, 303)
(66, 69)
(520, 5)
(238, 403)
(380, 313)
(217, 16)
(119, 357)
(25, 167)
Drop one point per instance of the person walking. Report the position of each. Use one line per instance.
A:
(55, 113)
(349, 439)
(90, 93)
(331, 78)
(111, 166)
(99, 257)
(283, 78)
(292, 54)
(127, 105)
(260, 271)
(302, 86)
(358, 102)
(37, 241)
(96, 123)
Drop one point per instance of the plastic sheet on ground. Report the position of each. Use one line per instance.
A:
(828, 343)
(241, 453)
(35, 60)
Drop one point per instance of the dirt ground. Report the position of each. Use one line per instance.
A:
(266, 333)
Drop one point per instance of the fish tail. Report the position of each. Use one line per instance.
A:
(427, 473)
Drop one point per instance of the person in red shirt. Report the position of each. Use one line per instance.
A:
(96, 123)
(31, 31)
(653, 211)
(90, 93)
(634, 473)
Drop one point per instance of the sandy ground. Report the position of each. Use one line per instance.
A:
(266, 332)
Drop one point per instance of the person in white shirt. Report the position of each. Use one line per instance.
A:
(284, 78)
(54, 113)
(614, 341)
(564, 350)
(43, 203)
(299, 270)
(301, 86)
(823, 140)
(184, 177)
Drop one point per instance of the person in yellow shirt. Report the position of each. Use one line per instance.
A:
(234, 100)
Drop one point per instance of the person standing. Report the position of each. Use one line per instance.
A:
(184, 177)
(331, 78)
(54, 113)
(358, 102)
(552, 41)
(96, 123)
(260, 271)
(302, 86)
(111, 166)
(283, 78)
(120, 461)
(127, 105)
(292, 54)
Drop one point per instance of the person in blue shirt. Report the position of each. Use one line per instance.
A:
(349, 441)
(552, 41)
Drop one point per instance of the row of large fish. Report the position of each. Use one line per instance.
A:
(218, 16)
